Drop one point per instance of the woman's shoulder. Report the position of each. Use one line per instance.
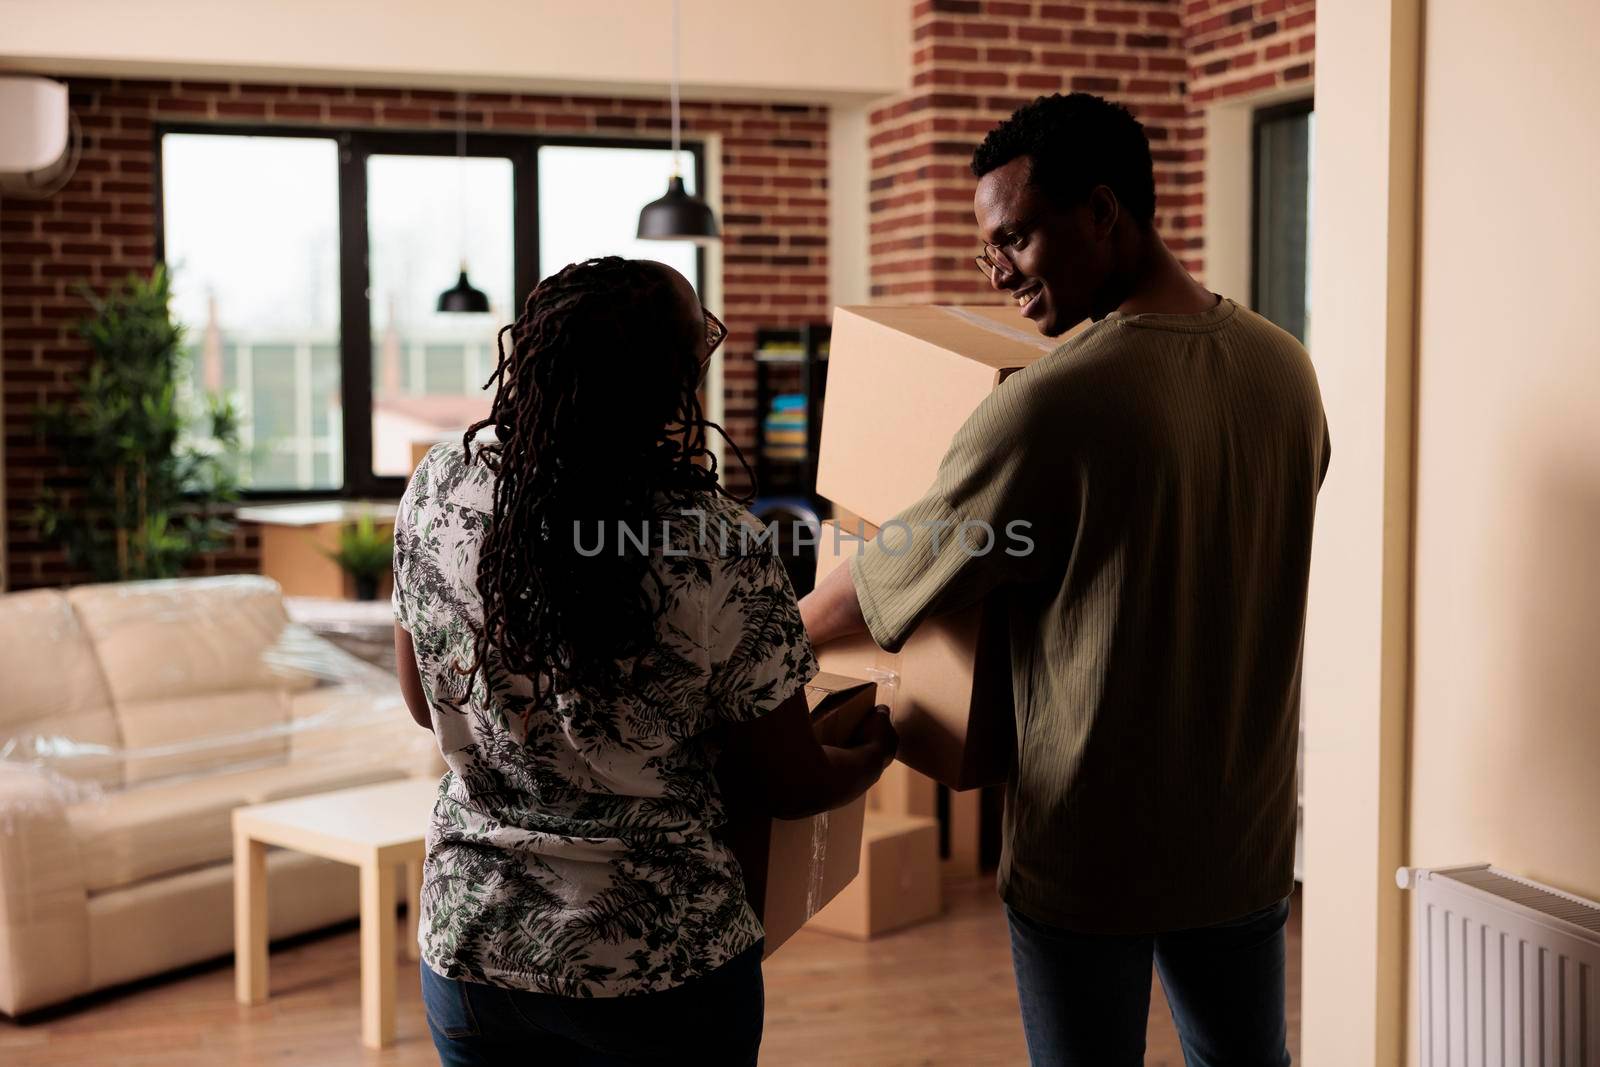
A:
(718, 511)
(447, 476)
(710, 525)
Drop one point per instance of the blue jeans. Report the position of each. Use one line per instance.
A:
(1086, 997)
(711, 1020)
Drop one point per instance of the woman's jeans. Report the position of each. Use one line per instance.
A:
(712, 1020)
(1086, 997)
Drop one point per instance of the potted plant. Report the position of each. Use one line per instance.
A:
(157, 468)
(366, 554)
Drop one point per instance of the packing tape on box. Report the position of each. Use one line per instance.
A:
(1010, 333)
(819, 858)
(888, 683)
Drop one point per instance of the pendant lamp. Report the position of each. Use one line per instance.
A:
(677, 216)
(462, 297)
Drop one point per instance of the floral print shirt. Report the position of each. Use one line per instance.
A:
(574, 851)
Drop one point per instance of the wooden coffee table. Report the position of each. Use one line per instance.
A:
(377, 828)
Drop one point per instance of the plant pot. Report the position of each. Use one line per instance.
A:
(367, 587)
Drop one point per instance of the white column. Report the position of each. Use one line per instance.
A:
(1357, 646)
(848, 178)
(712, 294)
(245, 392)
(416, 355)
(305, 445)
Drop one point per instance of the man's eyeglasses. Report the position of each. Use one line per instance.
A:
(994, 259)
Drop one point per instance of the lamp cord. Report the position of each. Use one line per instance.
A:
(676, 171)
(461, 182)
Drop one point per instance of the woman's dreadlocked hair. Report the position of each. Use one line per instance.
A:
(598, 422)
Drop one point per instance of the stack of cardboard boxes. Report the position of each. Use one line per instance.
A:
(901, 382)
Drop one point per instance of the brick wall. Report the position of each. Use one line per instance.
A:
(101, 226)
(975, 61)
(1241, 49)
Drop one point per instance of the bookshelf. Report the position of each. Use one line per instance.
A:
(791, 379)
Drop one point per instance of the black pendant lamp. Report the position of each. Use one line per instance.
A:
(677, 216)
(462, 297)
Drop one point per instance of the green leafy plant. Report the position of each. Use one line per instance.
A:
(365, 553)
(156, 473)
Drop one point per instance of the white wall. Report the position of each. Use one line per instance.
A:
(1453, 640)
(1505, 737)
(820, 50)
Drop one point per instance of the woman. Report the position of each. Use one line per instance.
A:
(585, 630)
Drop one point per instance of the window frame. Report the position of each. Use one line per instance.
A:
(1260, 117)
(356, 145)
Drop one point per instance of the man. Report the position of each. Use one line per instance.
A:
(1166, 462)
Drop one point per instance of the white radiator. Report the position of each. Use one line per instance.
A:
(1508, 970)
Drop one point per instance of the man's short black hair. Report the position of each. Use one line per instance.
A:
(1076, 142)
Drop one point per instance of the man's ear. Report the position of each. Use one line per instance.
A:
(1103, 210)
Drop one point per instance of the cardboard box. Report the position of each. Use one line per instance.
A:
(953, 707)
(792, 867)
(899, 881)
(901, 381)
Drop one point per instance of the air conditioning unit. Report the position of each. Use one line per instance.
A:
(36, 139)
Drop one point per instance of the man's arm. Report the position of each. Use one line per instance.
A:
(832, 610)
(405, 667)
(1003, 510)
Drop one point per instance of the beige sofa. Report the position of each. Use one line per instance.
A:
(133, 719)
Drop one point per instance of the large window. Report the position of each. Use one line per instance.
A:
(1283, 196)
(427, 216)
(307, 267)
(252, 238)
(571, 176)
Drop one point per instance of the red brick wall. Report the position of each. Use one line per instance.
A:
(1240, 49)
(975, 61)
(101, 226)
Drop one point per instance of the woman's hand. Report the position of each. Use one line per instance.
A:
(777, 760)
(877, 730)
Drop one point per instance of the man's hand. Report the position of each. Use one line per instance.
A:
(831, 610)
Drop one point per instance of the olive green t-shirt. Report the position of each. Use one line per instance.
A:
(1149, 489)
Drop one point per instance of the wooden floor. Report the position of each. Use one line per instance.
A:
(941, 993)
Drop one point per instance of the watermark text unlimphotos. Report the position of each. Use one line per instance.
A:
(898, 537)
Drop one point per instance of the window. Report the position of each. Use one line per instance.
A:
(252, 238)
(1281, 274)
(307, 268)
(576, 185)
(427, 216)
